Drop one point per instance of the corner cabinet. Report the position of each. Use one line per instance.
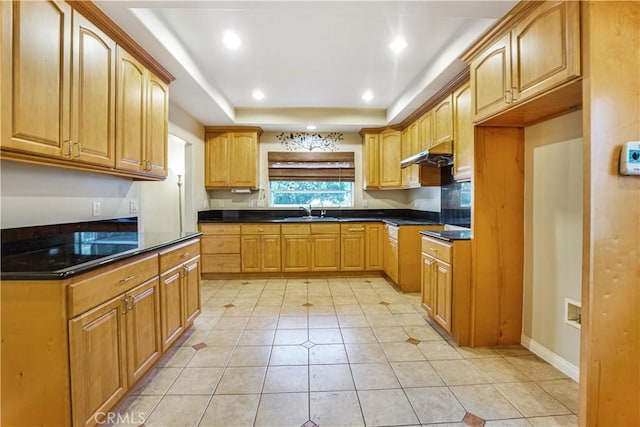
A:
(95, 335)
(538, 53)
(225, 150)
(68, 73)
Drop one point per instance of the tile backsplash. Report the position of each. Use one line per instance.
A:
(456, 203)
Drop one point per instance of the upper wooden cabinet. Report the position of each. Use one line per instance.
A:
(226, 148)
(383, 152)
(462, 134)
(60, 94)
(537, 53)
(142, 122)
(425, 133)
(443, 122)
(36, 77)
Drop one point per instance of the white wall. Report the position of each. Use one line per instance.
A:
(553, 237)
(40, 195)
(378, 199)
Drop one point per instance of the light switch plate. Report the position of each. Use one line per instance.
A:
(96, 208)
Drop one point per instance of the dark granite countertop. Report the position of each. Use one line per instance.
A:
(448, 235)
(66, 255)
(282, 216)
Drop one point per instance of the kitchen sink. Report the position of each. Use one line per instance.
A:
(311, 218)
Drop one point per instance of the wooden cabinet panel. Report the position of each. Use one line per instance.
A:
(97, 358)
(491, 78)
(296, 252)
(142, 329)
(373, 246)
(220, 246)
(390, 157)
(36, 39)
(353, 247)
(462, 134)
(178, 254)
(172, 304)
(443, 121)
(546, 48)
(271, 249)
(425, 124)
(130, 124)
(243, 151)
(217, 165)
(428, 278)
(191, 285)
(325, 252)
(221, 263)
(250, 255)
(371, 161)
(443, 290)
(212, 228)
(94, 89)
(157, 117)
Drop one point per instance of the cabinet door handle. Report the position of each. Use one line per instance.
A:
(126, 306)
(356, 229)
(70, 150)
(79, 149)
(130, 300)
(508, 97)
(126, 279)
(184, 254)
(433, 249)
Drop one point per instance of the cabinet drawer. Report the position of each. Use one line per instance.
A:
(220, 244)
(325, 228)
(176, 255)
(437, 249)
(221, 263)
(220, 228)
(110, 282)
(352, 228)
(296, 229)
(260, 228)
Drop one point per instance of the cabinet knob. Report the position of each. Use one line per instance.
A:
(184, 254)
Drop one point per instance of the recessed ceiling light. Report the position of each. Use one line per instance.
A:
(398, 44)
(311, 127)
(367, 96)
(231, 40)
(258, 94)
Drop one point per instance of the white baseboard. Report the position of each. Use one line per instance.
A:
(561, 364)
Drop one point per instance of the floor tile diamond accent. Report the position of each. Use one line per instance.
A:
(307, 304)
(473, 420)
(228, 305)
(385, 303)
(309, 424)
(308, 344)
(199, 346)
(413, 341)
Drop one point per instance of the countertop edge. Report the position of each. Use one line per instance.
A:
(450, 238)
(95, 264)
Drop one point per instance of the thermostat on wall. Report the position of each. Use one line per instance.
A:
(630, 158)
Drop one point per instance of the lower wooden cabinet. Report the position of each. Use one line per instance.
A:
(373, 233)
(310, 247)
(94, 336)
(260, 248)
(446, 285)
(353, 254)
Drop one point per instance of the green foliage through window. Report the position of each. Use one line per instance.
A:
(315, 193)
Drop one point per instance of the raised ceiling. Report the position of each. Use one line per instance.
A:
(313, 60)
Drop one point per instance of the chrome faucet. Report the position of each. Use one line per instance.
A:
(307, 209)
(322, 211)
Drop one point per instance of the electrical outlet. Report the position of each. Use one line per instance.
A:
(251, 203)
(365, 203)
(97, 208)
(205, 204)
(133, 206)
(221, 203)
(260, 203)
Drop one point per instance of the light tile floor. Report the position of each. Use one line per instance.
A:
(338, 352)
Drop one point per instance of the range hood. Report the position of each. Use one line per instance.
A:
(426, 158)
